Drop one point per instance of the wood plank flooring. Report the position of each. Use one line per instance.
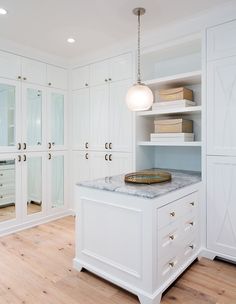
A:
(36, 268)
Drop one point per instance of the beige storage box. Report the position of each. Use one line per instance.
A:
(178, 125)
(172, 137)
(174, 94)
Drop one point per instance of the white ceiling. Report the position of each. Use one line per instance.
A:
(46, 24)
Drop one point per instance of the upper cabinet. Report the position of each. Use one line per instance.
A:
(57, 77)
(221, 41)
(10, 65)
(99, 73)
(80, 77)
(33, 71)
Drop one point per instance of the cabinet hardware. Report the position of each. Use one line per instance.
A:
(109, 79)
(1, 174)
(49, 145)
(49, 83)
(110, 145)
(86, 145)
(86, 84)
(192, 203)
(106, 156)
(1, 196)
(191, 223)
(49, 156)
(171, 237)
(24, 157)
(86, 156)
(172, 214)
(53, 143)
(106, 80)
(38, 143)
(19, 146)
(19, 158)
(191, 246)
(1, 185)
(110, 157)
(24, 78)
(24, 146)
(106, 145)
(171, 264)
(19, 77)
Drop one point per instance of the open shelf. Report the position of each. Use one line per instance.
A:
(185, 110)
(173, 144)
(178, 80)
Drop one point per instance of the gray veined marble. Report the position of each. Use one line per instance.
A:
(117, 184)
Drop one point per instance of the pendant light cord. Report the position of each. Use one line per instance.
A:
(139, 64)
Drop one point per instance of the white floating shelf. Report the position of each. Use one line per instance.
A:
(173, 144)
(178, 80)
(185, 110)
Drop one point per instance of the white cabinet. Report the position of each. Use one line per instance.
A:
(57, 77)
(99, 117)
(99, 164)
(10, 65)
(221, 207)
(221, 42)
(33, 71)
(221, 107)
(120, 118)
(80, 77)
(82, 164)
(81, 119)
(120, 163)
(99, 73)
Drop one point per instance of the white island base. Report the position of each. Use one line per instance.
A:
(137, 243)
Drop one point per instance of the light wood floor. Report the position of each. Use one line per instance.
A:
(36, 268)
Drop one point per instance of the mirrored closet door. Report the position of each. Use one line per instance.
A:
(9, 115)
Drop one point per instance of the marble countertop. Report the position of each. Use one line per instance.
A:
(117, 184)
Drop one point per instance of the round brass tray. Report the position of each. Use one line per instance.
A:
(148, 177)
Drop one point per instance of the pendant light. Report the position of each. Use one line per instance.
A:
(139, 97)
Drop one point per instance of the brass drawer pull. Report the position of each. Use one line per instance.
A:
(86, 156)
(19, 158)
(191, 223)
(86, 145)
(191, 246)
(171, 264)
(110, 157)
(106, 145)
(172, 237)
(19, 146)
(19, 77)
(86, 84)
(24, 146)
(110, 145)
(49, 83)
(1, 185)
(24, 157)
(49, 145)
(24, 78)
(172, 214)
(106, 157)
(1, 196)
(192, 204)
(49, 156)
(1, 174)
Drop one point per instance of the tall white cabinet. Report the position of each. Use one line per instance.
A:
(221, 140)
(102, 124)
(33, 140)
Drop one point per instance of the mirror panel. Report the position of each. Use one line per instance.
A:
(57, 181)
(57, 119)
(34, 184)
(7, 115)
(7, 190)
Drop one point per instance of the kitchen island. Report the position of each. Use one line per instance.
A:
(140, 237)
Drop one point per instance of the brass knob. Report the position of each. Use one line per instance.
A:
(106, 80)
(38, 143)
(171, 237)
(109, 79)
(1, 196)
(86, 84)
(106, 145)
(1, 185)
(49, 83)
(106, 157)
(110, 145)
(24, 78)
(172, 214)
(86, 156)
(191, 223)
(171, 264)
(19, 77)
(110, 157)
(1, 174)
(192, 203)
(191, 246)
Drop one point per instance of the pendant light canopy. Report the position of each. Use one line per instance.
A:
(139, 97)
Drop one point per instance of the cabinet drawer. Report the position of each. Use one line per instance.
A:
(5, 200)
(190, 248)
(167, 268)
(7, 175)
(6, 188)
(175, 210)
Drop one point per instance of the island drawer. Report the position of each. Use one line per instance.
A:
(175, 210)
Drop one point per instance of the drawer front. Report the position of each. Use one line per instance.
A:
(190, 248)
(6, 188)
(9, 199)
(7, 174)
(168, 267)
(175, 210)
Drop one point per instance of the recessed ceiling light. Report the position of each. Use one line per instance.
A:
(71, 40)
(3, 11)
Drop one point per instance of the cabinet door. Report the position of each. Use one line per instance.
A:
(99, 164)
(33, 184)
(81, 166)
(57, 176)
(120, 118)
(10, 190)
(120, 163)
(220, 41)
(57, 127)
(81, 119)
(99, 111)
(57, 77)
(221, 107)
(121, 67)
(10, 115)
(34, 120)
(99, 73)
(80, 77)
(10, 66)
(221, 207)
(34, 71)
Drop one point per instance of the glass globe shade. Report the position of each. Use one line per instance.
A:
(139, 97)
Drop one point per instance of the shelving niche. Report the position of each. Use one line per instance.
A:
(177, 65)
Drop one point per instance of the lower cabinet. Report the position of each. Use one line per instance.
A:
(221, 205)
(32, 186)
(92, 165)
